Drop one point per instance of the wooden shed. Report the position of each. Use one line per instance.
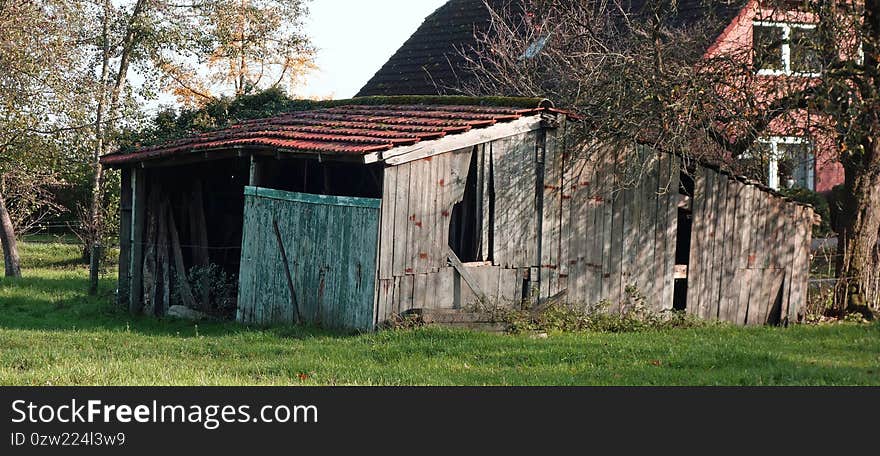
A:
(349, 214)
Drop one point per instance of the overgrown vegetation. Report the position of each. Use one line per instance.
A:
(53, 333)
(593, 318)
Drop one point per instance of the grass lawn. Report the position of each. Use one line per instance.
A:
(52, 333)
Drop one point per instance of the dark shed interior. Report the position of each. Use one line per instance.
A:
(194, 218)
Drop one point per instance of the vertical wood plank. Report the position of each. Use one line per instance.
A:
(615, 261)
(440, 219)
(653, 215)
(125, 216)
(551, 213)
(787, 250)
(395, 296)
(720, 239)
(629, 217)
(606, 283)
(799, 262)
(566, 193)
(407, 285)
(698, 237)
(708, 276)
(744, 230)
(138, 220)
(642, 237)
(430, 219)
(420, 289)
(733, 235)
(445, 294)
(671, 234)
(388, 215)
(401, 214)
(430, 299)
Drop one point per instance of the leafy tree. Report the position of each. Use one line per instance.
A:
(170, 124)
(43, 95)
(245, 46)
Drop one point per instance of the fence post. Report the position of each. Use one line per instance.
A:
(94, 267)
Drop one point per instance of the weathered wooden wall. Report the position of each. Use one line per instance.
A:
(418, 201)
(581, 231)
(618, 229)
(749, 257)
(330, 245)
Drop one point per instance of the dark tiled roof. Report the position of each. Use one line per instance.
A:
(430, 61)
(340, 130)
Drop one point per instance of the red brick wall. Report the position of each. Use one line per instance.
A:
(737, 40)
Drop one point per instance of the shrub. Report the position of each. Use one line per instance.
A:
(408, 321)
(633, 317)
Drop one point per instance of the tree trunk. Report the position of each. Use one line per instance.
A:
(94, 227)
(10, 246)
(857, 264)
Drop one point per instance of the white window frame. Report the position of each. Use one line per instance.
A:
(776, 156)
(786, 48)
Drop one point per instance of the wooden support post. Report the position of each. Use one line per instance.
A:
(136, 264)
(256, 173)
(94, 268)
(163, 267)
(151, 271)
(540, 156)
(125, 205)
(179, 266)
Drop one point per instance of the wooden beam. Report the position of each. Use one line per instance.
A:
(125, 205)
(210, 155)
(136, 266)
(406, 154)
(293, 302)
(179, 266)
(256, 173)
(465, 274)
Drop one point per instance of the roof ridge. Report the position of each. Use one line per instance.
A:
(437, 100)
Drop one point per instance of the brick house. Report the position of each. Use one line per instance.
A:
(794, 152)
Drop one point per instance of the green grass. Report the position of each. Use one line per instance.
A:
(51, 332)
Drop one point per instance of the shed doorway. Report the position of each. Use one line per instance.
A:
(308, 259)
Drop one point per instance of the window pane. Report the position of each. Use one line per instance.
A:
(797, 165)
(805, 50)
(767, 44)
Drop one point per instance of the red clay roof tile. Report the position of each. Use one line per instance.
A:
(343, 130)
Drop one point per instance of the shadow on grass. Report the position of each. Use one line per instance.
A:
(54, 263)
(63, 304)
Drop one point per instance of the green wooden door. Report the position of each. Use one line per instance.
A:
(330, 243)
